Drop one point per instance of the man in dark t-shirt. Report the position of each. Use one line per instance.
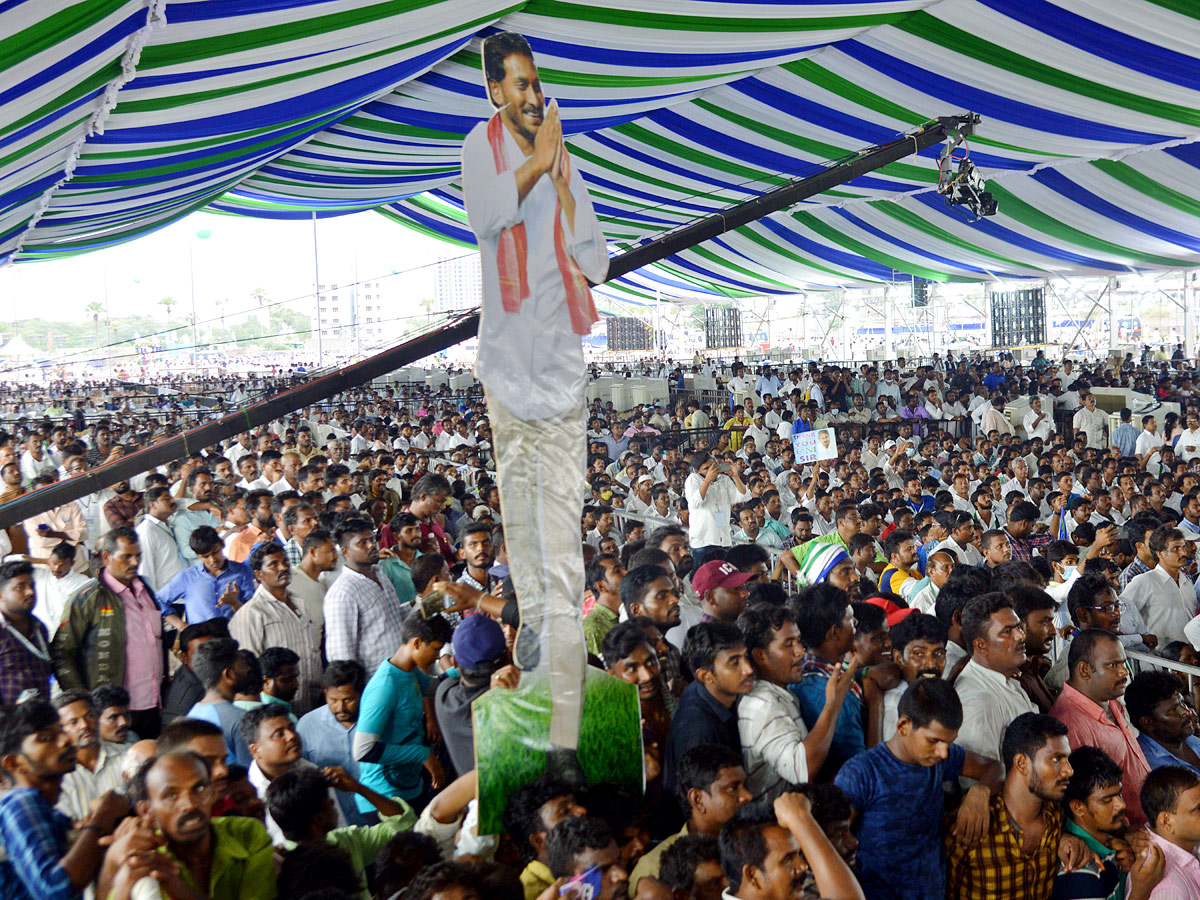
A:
(896, 790)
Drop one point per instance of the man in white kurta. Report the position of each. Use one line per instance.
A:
(1092, 422)
(161, 560)
(538, 238)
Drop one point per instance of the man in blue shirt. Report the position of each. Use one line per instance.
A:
(328, 731)
(224, 672)
(993, 379)
(826, 622)
(768, 383)
(35, 755)
(918, 501)
(896, 790)
(215, 586)
(1167, 724)
(615, 443)
(1125, 435)
(194, 511)
(803, 422)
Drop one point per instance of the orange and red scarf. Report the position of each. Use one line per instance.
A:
(512, 252)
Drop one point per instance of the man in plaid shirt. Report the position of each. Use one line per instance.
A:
(35, 754)
(1018, 858)
(1021, 520)
(123, 509)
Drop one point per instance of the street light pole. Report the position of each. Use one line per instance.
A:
(192, 280)
(317, 288)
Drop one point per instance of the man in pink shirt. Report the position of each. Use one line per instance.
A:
(1171, 799)
(111, 633)
(1090, 708)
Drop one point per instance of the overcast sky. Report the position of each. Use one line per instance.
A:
(238, 255)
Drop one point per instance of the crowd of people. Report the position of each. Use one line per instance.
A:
(900, 673)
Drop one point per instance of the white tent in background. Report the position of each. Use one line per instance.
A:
(16, 348)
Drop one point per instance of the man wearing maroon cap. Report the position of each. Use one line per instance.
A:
(721, 588)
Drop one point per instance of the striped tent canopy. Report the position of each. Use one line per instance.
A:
(118, 117)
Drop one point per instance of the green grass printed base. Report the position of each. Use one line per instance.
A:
(512, 735)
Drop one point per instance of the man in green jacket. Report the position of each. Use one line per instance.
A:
(111, 633)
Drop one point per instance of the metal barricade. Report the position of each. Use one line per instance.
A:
(1188, 673)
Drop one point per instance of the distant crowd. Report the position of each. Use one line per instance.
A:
(901, 672)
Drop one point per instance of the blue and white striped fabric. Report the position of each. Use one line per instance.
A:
(120, 116)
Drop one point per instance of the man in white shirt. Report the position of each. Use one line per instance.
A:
(858, 414)
(1020, 477)
(247, 467)
(54, 583)
(161, 560)
(738, 384)
(461, 437)
(960, 495)
(816, 394)
(97, 763)
(1164, 596)
(711, 491)
(640, 502)
(1149, 441)
(953, 408)
(1092, 422)
(889, 387)
(777, 747)
(1187, 447)
(1037, 423)
(960, 526)
(241, 447)
(362, 437)
(757, 430)
(991, 695)
(34, 461)
(271, 464)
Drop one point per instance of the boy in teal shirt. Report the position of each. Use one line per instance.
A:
(390, 742)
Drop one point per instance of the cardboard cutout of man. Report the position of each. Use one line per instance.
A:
(539, 243)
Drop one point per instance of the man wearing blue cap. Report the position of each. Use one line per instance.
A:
(480, 653)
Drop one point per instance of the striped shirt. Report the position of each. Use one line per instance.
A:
(363, 618)
(772, 733)
(81, 785)
(266, 621)
(34, 836)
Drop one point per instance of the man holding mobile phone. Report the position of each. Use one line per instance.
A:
(711, 491)
(583, 850)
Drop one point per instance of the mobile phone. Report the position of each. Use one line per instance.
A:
(585, 885)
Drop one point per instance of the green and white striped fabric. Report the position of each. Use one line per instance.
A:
(120, 116)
